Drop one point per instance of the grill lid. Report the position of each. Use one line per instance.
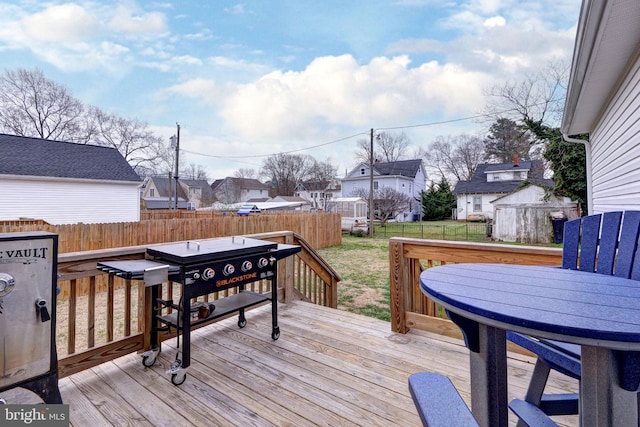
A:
(210, 250)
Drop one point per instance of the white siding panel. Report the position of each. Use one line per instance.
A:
(615, 152)
(68, 202)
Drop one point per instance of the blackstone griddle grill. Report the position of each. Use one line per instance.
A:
(202, 268)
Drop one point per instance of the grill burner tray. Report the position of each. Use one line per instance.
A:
(210, 250)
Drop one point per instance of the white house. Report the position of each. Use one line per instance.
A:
(603, 100)
(66, 183)
(160, 193)
(318, 193)
(491, 181)
(236, 190)
(405, 176)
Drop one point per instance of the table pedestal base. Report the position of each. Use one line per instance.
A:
(602, 401)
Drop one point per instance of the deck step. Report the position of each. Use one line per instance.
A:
(438, 402)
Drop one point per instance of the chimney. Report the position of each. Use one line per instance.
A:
(515, 160)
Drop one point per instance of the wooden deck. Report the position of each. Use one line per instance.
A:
(329, 367)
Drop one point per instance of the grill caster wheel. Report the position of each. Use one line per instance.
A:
(275, 334)
(242, 323)
(177, 379)
(148, 361)
(149, 358)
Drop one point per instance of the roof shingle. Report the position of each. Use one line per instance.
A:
(47, 158)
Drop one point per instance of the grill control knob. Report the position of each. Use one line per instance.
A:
(246, 266)
(263, 262)
(7, 282)
(208, 273)
(228, 269)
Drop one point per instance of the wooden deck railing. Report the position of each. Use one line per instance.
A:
(410, 308)
(101, 317)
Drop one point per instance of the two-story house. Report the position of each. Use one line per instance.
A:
(318, 193)
(238, 190)
(405, 176)
(491, 181)
(160, 193)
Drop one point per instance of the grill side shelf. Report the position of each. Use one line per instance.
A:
(224, 306)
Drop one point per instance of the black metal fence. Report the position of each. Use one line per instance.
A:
(463, 231)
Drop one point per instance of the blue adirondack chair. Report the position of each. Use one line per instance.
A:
(602, 244)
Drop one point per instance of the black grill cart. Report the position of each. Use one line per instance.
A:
(202, 268)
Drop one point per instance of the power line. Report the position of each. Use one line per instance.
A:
(353, 136)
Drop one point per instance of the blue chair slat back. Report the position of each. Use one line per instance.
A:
(609, 233)
(628, 247)
(571, 244)
(589, 237)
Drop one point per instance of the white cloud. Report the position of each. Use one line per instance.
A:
(63, 23)
(337, 91)
(126, 23)
(237, 9)
(495, 21)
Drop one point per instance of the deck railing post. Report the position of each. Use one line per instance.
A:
(398, 271)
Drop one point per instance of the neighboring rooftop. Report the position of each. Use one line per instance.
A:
(478, 184)
(47, 158)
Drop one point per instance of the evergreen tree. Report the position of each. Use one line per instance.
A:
(438, 201)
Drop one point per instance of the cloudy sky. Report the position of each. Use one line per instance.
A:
(249, 79)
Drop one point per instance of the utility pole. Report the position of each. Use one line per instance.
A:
(175, 142)
(371, 187)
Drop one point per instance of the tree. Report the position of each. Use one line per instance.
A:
(568, 160)
(386, 148)
(322, 172)
(538, 101)
(454, 158)
(387, 202)
(194, 172)
(505, 140)
(145, 152)
(437, 202)
(285, 171)
(32, 105)
(246, 173)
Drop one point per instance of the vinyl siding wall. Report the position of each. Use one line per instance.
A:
(59, 201)
(615, 149)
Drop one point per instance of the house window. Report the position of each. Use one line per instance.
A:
(152, 192)
(375, 185)
(477, 203)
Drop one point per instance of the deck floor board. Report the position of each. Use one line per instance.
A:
(329, 367)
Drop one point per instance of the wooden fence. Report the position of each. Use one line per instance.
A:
(318, 229)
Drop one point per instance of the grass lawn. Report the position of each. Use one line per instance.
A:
(363, 265)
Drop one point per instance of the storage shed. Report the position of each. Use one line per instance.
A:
(525, 215)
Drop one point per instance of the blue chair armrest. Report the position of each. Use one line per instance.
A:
(530, 414)
(562, 357)
(438, 402)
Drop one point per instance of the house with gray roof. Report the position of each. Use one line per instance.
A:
(65, 183)
(237, 190)
(160, 193)
(405, 176)
(491, 181)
